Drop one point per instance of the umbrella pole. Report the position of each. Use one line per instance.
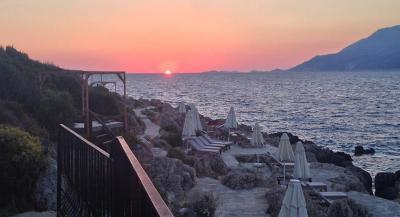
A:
(284, 173)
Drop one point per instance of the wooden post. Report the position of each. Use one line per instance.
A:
(83, 94)
(125, 106)
(88, 124)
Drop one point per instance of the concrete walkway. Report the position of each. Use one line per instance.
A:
(235, 203)
(229, 156)
(152, 129)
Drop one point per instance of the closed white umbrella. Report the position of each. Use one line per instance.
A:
(230, 121)
(301, 166)
(293, 204)
(196, 117)
(285, 151)
(257, 138)
(181, 108)
(189, 129)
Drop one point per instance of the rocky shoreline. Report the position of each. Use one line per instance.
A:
(179, 176)
(348, 176)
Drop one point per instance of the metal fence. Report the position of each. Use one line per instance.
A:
(94, 183)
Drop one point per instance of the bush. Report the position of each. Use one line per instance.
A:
(347, 208)
(274, 198)
(176, 153)
(55, 108)
(203, 203)
(172, 136)
(243, 179)
(104, 102)
(21, 162)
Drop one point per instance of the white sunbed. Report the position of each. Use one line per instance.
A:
(208, 144)
(198, 147)
(211, 140)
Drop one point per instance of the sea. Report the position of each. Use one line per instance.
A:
(338, 110)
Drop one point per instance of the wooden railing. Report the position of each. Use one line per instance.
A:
(92, 182)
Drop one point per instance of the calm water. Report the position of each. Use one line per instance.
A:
(337, 110)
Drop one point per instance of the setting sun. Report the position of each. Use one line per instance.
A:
(168, 72)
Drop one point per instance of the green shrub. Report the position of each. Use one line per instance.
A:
(176, 153)
(274, 197)
(21, 161)
(172, 136)
(104, 102)
(12, 113)
(55, 108)
(203, 204)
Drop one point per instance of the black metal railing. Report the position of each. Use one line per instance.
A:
(92, 182)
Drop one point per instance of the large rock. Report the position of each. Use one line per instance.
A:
(363, 176)
(243, 179)
(37, 214)
(385, 185)
(46, 188)
(172, 178)
(359, 150)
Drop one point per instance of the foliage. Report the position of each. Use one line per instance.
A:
(347, 208)
(274, 197)
(243, 179)
(21, 162)
(203, 204)
(176, 153)
(12, 113)
(55, 108)
(172, 136)
(104, 102)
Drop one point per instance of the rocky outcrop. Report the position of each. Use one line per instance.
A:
(37, 214)
(172, 178)
(359, 150)
(385, 185)
(46, 188)
(363, 176)
(243, 179)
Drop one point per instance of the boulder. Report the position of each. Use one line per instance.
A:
(385, 185)
(359, 150)
(347, 181)
(397, 173)
(172, 178)
(46, 187)
(37, 214)
(363, 176)
(243, 179)
(311, 157)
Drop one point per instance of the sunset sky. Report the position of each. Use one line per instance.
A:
(188, 35)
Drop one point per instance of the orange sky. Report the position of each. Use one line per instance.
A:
(188, 35)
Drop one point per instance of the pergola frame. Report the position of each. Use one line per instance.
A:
(84, 81)
(85, 75)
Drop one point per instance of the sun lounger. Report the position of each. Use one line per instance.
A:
(206, 143)
(211, 140)
(200, 148)
(201, 144)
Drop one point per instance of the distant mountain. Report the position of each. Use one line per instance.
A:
(380, 51)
